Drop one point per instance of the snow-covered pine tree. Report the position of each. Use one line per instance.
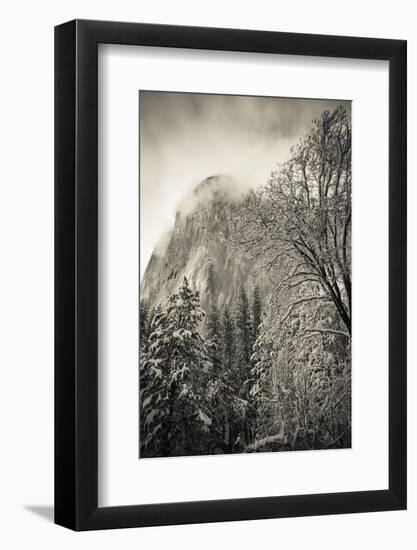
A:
(146, 318)
(239, 413)
(214, 338)
(175, 418)
(262, 395)
(152, 389)
(218, 390)
(256, 313)
(230, 384)
(243, 328)
(144, 325)
(229, 344)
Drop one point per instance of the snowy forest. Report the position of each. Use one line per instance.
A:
(266, 367)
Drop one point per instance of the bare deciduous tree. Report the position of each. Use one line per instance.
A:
(302, 220)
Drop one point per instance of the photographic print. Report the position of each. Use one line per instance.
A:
(245, 274)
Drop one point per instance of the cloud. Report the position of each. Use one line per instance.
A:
(214, 187)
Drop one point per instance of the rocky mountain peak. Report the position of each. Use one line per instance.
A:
(200, 247)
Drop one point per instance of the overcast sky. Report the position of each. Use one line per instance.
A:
(185, 138)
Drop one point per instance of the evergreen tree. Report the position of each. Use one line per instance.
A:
(244, 339)
(174, 376)
(229, 345)
(144, 325)
(237, 351)
(256, 313)
(152, 313)
(152, 390)
(230, 383)
(214, 339)
(243, 329)
(217, 392)
(261, 387)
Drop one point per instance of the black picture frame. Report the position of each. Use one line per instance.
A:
(76, 273)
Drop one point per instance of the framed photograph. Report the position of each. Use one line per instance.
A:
(230, 275)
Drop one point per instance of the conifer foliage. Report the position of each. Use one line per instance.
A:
(175, 370)
(195, 376)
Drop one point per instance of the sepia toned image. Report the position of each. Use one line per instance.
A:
(245, 274)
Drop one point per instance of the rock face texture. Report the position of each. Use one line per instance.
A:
(200, 246)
